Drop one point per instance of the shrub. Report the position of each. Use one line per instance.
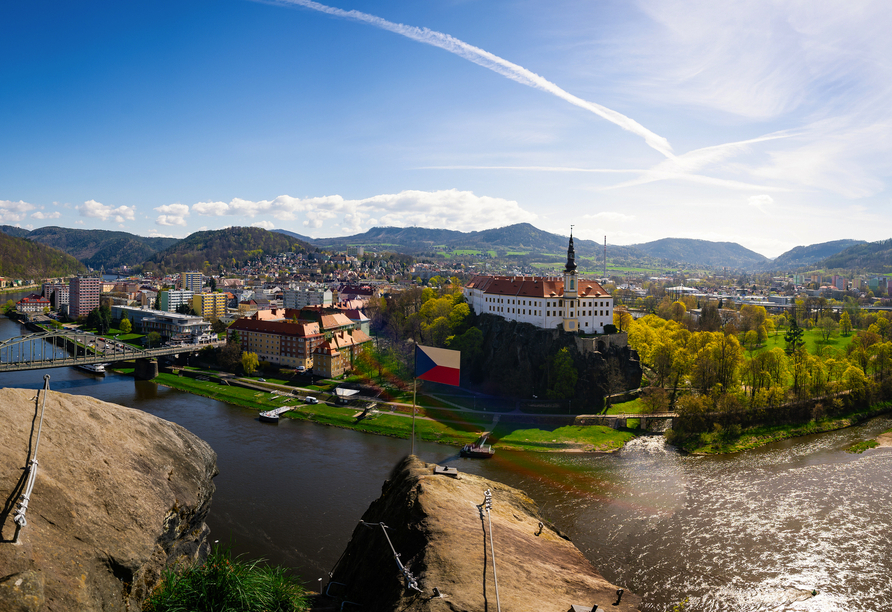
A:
(224, 583)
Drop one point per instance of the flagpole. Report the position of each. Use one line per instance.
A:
(414, 388)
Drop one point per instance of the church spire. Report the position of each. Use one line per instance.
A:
(571, 254)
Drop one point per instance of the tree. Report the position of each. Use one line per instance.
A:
(793, 337)
(250, 362)
(622, 318)
(845, 324)
(218, 326)
(9, 306)
(562, 375)
(828, 327)
(125, 326)
(154, 339)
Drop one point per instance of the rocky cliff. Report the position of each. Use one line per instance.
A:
(119, 496)
(514, 357)
(436, 525)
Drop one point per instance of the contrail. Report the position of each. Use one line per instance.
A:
(495, 63)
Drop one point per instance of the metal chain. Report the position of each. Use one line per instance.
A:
(19, 516)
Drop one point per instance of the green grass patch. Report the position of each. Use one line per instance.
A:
(224, 582)
(470, 252)
(570, 437)
(635, 406)
(860, 447)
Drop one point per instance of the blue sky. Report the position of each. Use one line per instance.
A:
(763, 123)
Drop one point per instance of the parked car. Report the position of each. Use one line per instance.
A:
(261, 380)
(311, 400)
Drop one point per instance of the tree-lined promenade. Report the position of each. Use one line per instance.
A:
(738, 376)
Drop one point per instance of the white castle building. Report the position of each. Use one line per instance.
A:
(578, 305)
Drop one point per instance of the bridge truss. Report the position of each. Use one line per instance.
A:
(60, 348)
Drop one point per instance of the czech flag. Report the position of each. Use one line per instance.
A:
(437, 365)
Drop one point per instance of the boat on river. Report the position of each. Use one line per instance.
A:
(93, 368)
(478, 449)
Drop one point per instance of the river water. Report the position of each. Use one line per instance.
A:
(754, 531)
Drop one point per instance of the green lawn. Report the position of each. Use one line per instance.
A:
(589, 438)
(633, 407)
(813, 342)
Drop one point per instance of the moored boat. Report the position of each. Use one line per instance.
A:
(478, 450)
(93, 368)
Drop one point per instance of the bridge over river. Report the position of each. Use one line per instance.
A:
(59, 348)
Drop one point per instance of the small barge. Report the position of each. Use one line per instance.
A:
(478, 450)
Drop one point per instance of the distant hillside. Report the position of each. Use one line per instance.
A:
(703, 253)
(871, 257)
(306, 239)
(12, 230)
(98, 248)
(544, 246)
(521, 237)
(21, 258)
(802, 256)
(228, 248)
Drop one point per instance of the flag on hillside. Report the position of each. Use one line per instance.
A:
(437, 365)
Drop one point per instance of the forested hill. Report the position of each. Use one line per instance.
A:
(871, 256)
(21, 258)
(704, 253)
(228, 248)
(12, 230)
(521, 237)
(98, 248)
(802, 256)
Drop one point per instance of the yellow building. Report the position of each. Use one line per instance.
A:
(209, 305)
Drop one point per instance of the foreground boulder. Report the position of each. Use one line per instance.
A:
(119, 496)
(437, 527)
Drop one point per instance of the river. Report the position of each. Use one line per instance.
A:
(746, 532)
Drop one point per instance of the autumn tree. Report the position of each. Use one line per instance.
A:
(250, 362)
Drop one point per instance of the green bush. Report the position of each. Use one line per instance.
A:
(224, 584)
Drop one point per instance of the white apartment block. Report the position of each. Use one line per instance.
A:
(307, 295)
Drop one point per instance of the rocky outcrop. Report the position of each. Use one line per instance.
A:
(514, 355)
(437, 527)
(119, 496)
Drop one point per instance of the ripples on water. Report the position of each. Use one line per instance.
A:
(756, 531)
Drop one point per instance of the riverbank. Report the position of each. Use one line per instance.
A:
(454, 428)
(720, 441)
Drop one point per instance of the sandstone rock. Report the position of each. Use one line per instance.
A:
(443, 539)
(119, 496)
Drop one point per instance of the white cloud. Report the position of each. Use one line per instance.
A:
(52, 215)
(172, 214)
(453, 209)
(762, 202)
(96, 210)
(14, 212)
(267, 225)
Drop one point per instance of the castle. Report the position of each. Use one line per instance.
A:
(577, 305)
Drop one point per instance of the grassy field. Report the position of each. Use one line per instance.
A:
(813, 341)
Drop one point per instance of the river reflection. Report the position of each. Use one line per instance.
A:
(754, 531)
